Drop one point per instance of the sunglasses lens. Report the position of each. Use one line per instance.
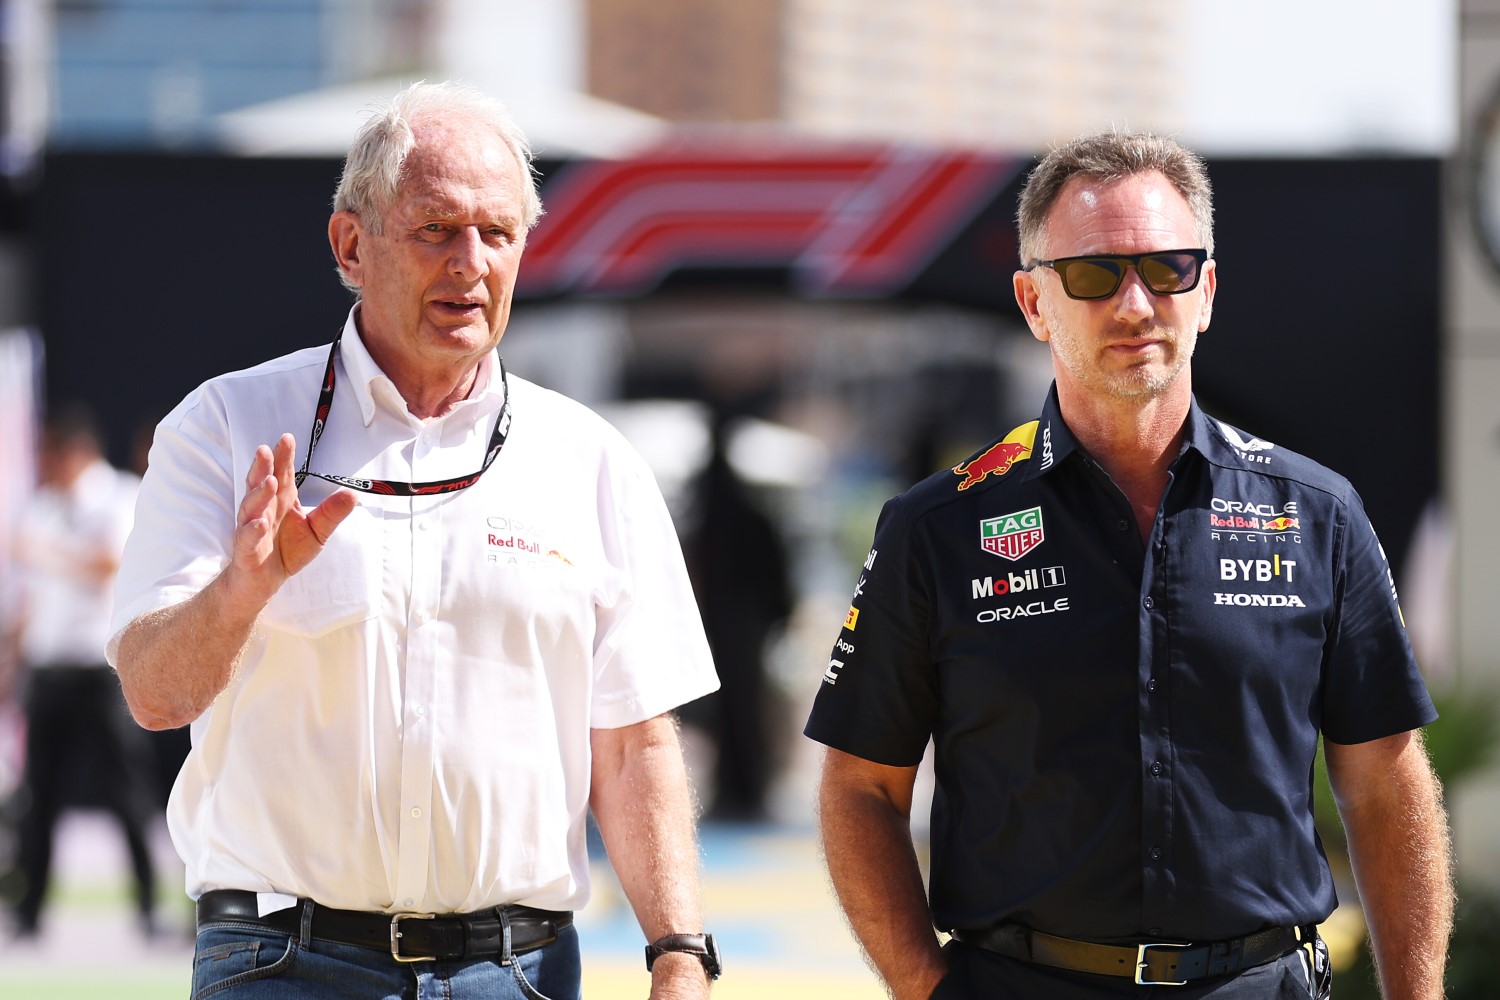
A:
(1169, 273)
(1092, 277)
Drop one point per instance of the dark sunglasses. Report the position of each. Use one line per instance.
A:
(1165, 272)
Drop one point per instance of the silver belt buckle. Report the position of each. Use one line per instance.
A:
(1140, 964)
(396, 919)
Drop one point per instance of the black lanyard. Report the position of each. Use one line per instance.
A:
(383, 486)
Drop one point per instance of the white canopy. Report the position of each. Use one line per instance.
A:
(323, 122)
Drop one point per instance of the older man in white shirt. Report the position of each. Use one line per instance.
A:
(415, 661)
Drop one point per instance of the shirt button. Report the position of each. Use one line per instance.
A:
(1149, 603)
(421, 711)
(422, 525)
(1156, 854)
(1151, 684)
(416, 813)
(1122, 524)
(407, 902)
(1156, 767)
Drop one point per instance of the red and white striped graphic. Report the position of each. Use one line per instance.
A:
(851, 220)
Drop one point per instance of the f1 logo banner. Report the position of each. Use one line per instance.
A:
(848, 220)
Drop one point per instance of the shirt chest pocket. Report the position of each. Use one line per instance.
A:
(340, 587)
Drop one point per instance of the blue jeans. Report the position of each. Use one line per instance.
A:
(239, 961)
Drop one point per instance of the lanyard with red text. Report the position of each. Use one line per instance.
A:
(386, 487)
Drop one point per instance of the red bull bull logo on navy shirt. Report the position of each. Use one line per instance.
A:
(997, 458)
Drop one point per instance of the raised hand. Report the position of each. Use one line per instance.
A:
(275, 536)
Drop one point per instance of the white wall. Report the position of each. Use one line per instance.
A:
(1323, 76)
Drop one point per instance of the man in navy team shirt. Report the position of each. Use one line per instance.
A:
(1124, 627)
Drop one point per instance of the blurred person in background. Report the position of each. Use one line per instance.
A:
(80, 740)
(738, 563)
(1125, 626)
(415, 664)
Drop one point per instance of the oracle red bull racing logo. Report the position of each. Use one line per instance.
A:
(998, 458)
(1250, 521)
(1011, 536)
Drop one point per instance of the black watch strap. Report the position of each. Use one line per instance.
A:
(701, 945)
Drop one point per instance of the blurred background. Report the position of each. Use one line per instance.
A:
(777, 254)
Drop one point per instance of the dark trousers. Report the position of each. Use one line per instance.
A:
(77, 726)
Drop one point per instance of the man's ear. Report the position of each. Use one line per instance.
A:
(1209, 284)
(344, 235)
(1028, 297)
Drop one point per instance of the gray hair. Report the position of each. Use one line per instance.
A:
(372, 170)
(1108, 156)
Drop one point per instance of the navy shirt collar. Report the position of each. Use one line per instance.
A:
(1053, 442)
(1218, 442)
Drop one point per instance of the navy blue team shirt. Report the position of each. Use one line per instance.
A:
(1124, 731)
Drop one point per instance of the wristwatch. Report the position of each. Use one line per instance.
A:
(701, 945)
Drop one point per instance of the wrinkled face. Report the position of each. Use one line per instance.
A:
(1134, 344)
(436, 283)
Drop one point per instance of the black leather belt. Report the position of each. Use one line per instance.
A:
(1157, 963)
(409, 937)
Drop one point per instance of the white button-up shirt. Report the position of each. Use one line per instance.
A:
(409, 727)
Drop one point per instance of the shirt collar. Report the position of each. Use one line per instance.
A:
(1054, 441)
(1203, 434)
(1224, 444)
(364, 375)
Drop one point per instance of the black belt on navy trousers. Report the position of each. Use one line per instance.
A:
(1157, 963)
(409, 937)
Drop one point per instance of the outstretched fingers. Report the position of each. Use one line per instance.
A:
(286, 473)
(254, 570)
(260, 488)
(276, 536)
(270, 486)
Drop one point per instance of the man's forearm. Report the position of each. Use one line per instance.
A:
(644, 807)
(867, 845)
(175, 661)
(1400, 848)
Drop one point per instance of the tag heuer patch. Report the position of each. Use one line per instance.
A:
(1011, 536)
